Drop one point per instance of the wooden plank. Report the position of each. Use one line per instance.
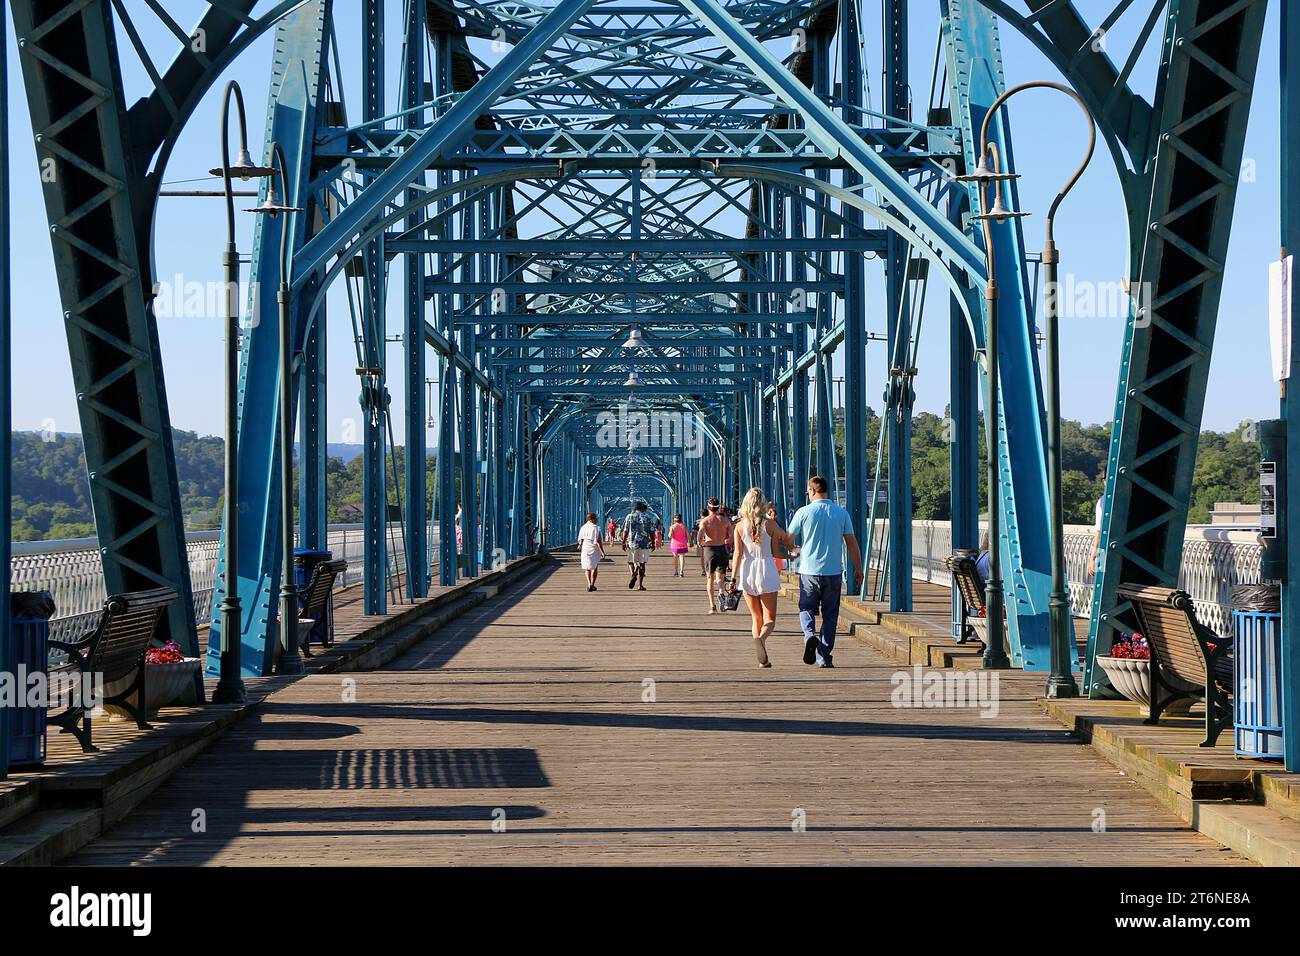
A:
(632, 727)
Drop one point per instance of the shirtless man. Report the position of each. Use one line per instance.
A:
(715, 530)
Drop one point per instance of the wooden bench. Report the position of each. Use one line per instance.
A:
(114, 649)
(967, 581)
(315, 598)
(1188, 660)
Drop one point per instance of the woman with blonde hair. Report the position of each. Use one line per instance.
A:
(755, 569)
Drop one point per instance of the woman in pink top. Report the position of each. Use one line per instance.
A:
(679, 542)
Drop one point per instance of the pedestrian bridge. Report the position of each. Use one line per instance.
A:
(592, 252)
(550, 725)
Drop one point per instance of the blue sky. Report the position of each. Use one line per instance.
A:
(1091, 232)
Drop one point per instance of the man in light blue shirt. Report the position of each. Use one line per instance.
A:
(822, 529)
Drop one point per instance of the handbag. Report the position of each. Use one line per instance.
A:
(729, 597)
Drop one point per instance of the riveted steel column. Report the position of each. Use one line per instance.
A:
(415, 498)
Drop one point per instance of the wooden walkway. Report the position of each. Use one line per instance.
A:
(549, 725)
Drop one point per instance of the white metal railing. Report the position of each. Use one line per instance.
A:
(1215, 560)
(71, 570)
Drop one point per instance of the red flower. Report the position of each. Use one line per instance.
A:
(1131, 647)
(169, 653)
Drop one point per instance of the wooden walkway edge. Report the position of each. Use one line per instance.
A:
(548, 725)
(49, 812)
(1250, 806)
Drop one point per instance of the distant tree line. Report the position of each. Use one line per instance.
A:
(51, 494)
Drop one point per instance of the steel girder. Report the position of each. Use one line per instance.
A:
(1178, 157)
(1289, 407)
(415, 519)
(108, 161)
(292, 116)
(93, 191)
(1181, 190)
(899, 396)
(975, 77)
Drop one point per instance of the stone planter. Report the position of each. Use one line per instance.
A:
(1131, 677)
(163, 683)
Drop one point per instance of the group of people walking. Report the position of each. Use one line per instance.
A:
(740, 552)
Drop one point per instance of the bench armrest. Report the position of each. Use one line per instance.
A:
(78, 652)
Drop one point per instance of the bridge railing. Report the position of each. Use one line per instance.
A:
(72, 571)
(1214, 561)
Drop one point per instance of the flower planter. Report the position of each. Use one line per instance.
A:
(1131, 677)
(163, 683)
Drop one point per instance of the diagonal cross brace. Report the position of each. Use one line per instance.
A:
(837, 138)
(447, 133)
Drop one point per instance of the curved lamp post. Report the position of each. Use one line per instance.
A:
(290, 660)
(230, 685)
(1061, 682)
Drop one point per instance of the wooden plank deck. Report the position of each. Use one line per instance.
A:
(532, 712)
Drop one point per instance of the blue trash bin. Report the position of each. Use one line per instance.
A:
(304, 560)
(1257, 694)
(29, 635)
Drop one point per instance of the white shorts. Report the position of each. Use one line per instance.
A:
(638, 555)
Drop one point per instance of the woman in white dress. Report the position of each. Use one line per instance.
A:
(755, 571)
(592, 542)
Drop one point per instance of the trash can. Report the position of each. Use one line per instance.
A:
(29, 635)
(1257, 654)
(304, 562)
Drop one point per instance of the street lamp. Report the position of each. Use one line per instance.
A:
(1060, 682)
(290, 661)
(988, 173)
(230, 685)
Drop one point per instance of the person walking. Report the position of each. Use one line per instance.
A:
(658, 535)
(715, 531)
(638, 532)
(592, 544)
(697, 544)
(755, 570)
(679, 544)
(821, 529)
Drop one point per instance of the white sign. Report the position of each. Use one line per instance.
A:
(1268, 499)
(1279, 317)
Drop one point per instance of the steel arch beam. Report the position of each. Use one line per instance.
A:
(1180, 233)
(296, 90)
(74, 91)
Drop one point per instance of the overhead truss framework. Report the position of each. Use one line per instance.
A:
(631, 239)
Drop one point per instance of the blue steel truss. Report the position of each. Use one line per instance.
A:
(555, 178)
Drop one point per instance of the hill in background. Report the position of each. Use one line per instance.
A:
(51, 494)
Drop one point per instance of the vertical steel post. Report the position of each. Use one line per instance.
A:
(995, 654)
(1290, 401)
(312, 447)
(963, 413)
(825, 427)
(898, 334)
(1061, 683)
(374, 390)
(290, 661)
(855, 385)
(415, 531)
(448, 557)
(799, 382)
(6, 411)
(468, 408)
